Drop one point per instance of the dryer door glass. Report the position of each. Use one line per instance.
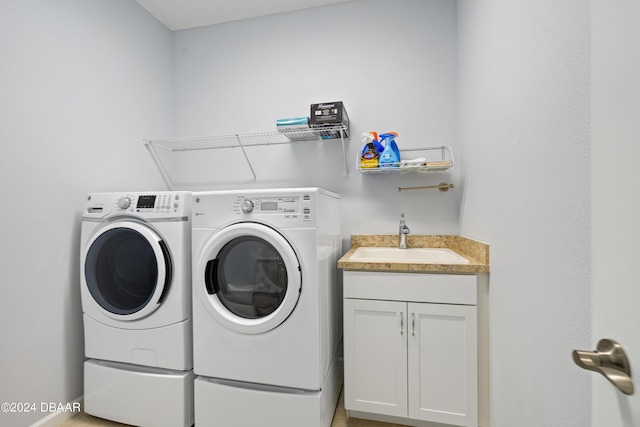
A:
(121, 270)
(250, 277)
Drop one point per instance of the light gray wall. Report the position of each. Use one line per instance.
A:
(524, 128)
(615, 107)
(506, 83)
(83, 81)
(392, 63)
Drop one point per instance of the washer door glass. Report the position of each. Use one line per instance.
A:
(251, 276)
(126, 270)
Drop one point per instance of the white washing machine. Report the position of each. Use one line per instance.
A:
(136, 300)
(267, 307)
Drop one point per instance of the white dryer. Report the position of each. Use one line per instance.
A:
(267, 308)
(136, 299)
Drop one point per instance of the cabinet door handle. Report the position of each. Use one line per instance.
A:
(413, 324)
(401, 323)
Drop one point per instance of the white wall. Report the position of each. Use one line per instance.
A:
(524, 127)
(82, 82)
(514, 100)
(392, 63)
(507, 83)
(615, 199)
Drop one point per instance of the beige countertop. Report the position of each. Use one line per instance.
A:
(476, 252)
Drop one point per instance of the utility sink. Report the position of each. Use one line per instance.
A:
(410, 255)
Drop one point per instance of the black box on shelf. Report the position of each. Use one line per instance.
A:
(329, 114)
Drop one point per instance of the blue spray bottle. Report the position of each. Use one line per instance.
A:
(390, 157)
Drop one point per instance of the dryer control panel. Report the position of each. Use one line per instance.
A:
(270, 204)
(280, 208)
(288, 207)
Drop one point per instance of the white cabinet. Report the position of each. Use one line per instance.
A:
(375, 340)
(443, 363)
(411, 347)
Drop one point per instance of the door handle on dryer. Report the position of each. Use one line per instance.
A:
(211, 277)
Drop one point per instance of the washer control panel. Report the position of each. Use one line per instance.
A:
(151, 205)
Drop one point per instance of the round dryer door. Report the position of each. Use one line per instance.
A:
(252, 278)
(127, 270)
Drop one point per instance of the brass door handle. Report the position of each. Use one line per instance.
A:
(610, 360)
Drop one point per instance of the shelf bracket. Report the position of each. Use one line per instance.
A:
(166, 177)
(344, 153)
(244, 153)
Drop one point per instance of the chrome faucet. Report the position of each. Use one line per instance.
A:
(402, 233)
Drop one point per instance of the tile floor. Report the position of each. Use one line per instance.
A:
(340, 419)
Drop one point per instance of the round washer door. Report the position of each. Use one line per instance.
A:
(127, 270)
(250, 278)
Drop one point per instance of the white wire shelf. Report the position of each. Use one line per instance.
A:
(422, 160)
(242, 141)
(249, 139)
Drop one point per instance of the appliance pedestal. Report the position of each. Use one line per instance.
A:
(226, 403)
(138, 395)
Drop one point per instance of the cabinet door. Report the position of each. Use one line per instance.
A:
(375, 356)
(443, 364)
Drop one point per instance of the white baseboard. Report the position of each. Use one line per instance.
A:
(54, 419)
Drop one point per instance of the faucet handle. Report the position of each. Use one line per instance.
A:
(403, 225)
(403, 230)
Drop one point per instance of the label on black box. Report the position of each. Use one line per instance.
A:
(328, 113)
